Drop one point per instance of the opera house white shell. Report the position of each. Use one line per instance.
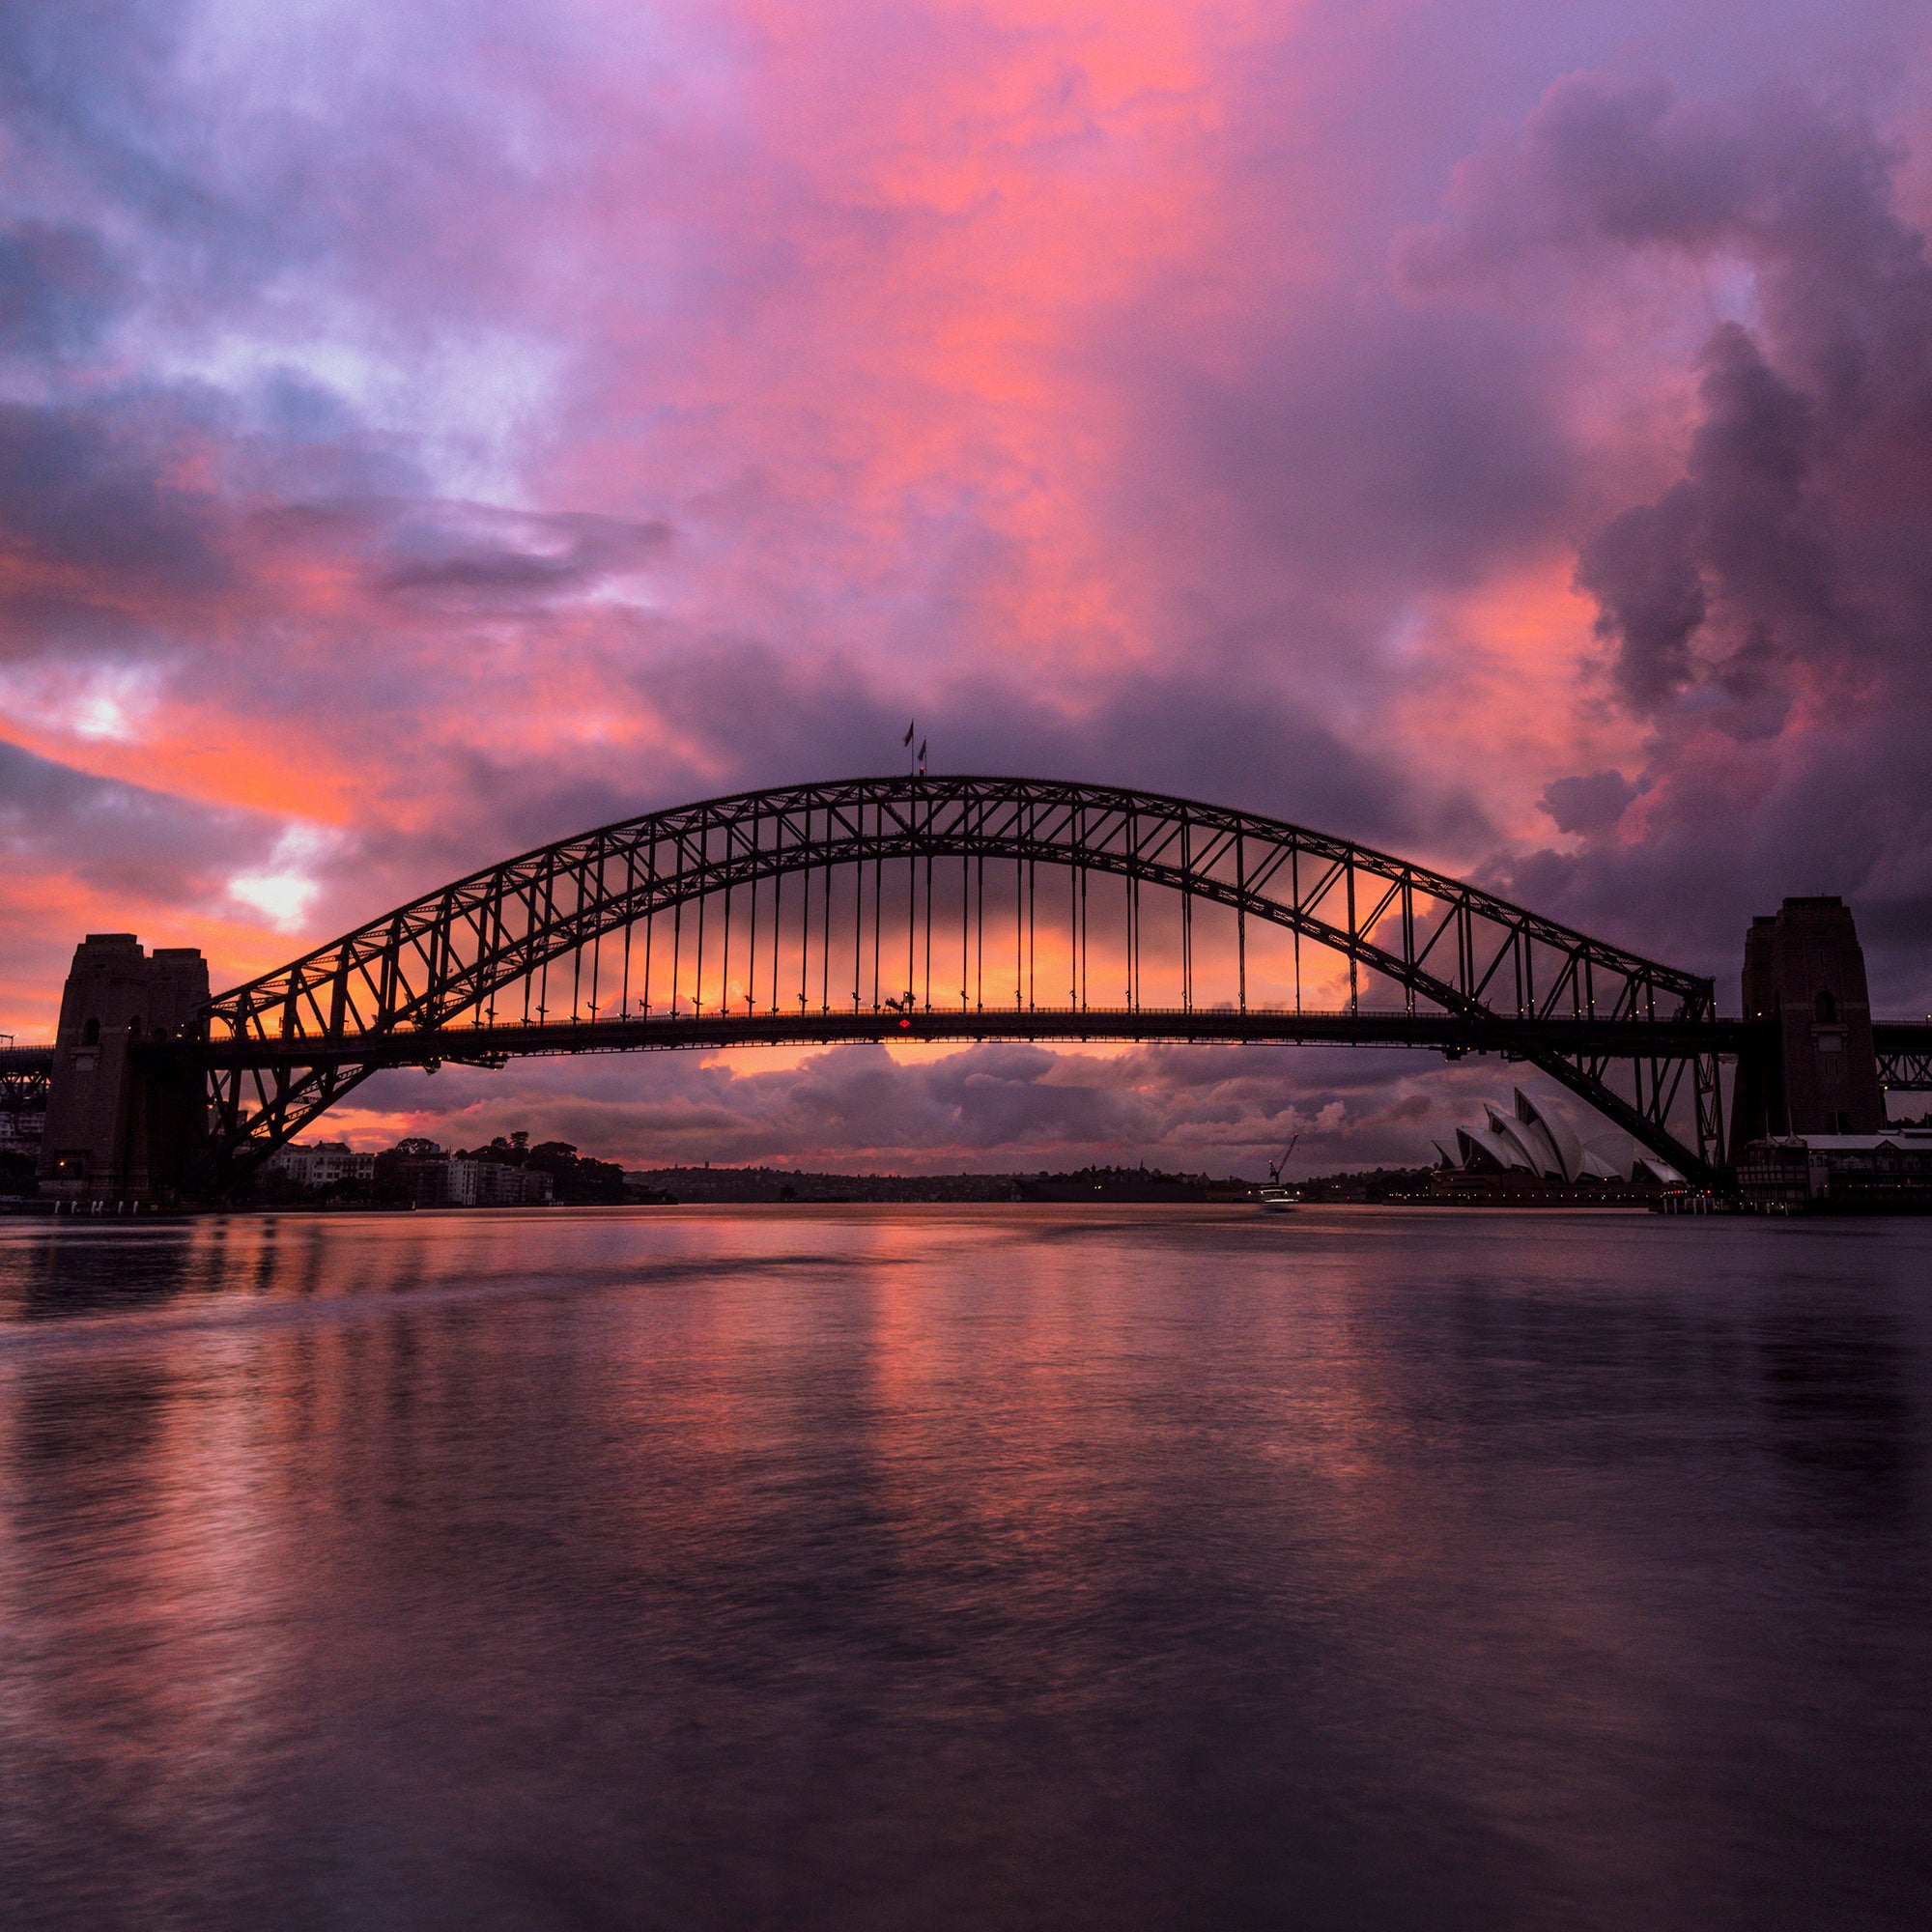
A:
(1528, 1140)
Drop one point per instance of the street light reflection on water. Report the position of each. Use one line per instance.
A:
(992, 1566)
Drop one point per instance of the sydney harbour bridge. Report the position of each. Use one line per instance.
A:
(944, 909)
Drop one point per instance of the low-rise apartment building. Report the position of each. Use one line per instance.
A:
(437, 1180)
(324, 1164)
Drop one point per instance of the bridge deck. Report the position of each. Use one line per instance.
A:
(1445, 1033)
(1904, 1046)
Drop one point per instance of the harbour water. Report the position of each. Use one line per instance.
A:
(997, 1567)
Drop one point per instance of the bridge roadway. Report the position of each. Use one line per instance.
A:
(1904, 1047)
(24, 1073)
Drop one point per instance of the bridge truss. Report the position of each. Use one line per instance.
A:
(25, 1074)
(1904, 1051)
(951, 908)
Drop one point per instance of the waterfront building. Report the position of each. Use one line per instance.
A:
(22, 1129)
(1889, 1172)
(1529, 1146)
(439, 1180)
(491, 1184)
(324, 1164)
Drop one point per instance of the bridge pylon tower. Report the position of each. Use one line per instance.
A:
(127, 1113)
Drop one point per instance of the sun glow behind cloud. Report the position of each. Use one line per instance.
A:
(287, 887)
(87, 702)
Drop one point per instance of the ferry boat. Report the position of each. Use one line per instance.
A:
(1275, 1198)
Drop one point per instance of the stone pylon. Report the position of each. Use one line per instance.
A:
(122, 1119)
(1806, 971)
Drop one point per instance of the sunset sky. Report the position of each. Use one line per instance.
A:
(1501, 434)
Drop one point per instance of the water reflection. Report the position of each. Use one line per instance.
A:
(980, 1567)
(1838, 1382)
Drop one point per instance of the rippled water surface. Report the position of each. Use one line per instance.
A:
(980, 1567)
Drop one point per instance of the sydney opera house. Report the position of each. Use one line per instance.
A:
(1534, 1149)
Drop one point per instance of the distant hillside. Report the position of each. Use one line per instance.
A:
(779, 1184)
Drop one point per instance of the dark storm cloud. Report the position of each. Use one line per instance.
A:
(1732, 575)
(146, 846)
(75, 497)
(1227, 735)
(1591, 802)
(1599, 158)
(1768, 609)
(1723, 837)
(58, 286)
(1797, 535)
(995, 1107)
(182, 524)
(86, 86)
(1372, 450)
(856, 1104)
(1233, 736)
(1644, 571)
(493, 558)
(741, 716)
(249, 184)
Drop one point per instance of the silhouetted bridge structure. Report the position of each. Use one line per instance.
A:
(923, 908)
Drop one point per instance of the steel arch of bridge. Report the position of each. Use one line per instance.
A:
(1470, 972)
